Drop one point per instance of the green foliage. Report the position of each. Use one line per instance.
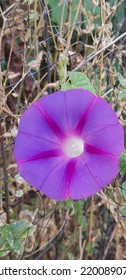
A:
(123, 211)
(62, 66)
(123, 190)
(93, 248)
(122, 93)
(11, 236)
(119, 15)
(122, 81)
(79, 213)
(69, 203)
(57, 11)
(78, 80)
(77, 209)
(123, 163)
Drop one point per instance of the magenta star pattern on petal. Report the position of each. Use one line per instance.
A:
(68, 144)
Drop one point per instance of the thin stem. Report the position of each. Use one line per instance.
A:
(4, 173)
(45, 8)
(90, 224)
(83, 37)
(72, 29)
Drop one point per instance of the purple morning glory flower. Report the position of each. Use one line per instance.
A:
(68, 144)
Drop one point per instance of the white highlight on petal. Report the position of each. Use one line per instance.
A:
(73, 147)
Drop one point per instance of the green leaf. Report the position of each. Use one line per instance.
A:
(78, 80)
(22, 228)
(18, 246)
(6, 240)
(69, 203)
(67, 86)
(18, 226)
(5, 235)
(122, 95)
(122, 80)
(119, 15)
(82, 221)
(57, 11)
(2, 239)
(123, 190)
(123, 163)
(11, 236)
(3, 252)
(123, 211)
(60, 10)
(79, 207)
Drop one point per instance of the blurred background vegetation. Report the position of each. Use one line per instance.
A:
(35, 37)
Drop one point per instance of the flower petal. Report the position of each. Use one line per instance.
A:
(100, 116)
(34, 124)
(67, 108)
(109, 140)
(50, 121)
(28, 147)
(83, 183)
(55, 106)
(47, 175)
(78, 102)
(92, 173)
(54, 185)
(104, 168)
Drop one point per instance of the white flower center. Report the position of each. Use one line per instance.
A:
(74, 147)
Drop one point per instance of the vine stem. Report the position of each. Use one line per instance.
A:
(5, 173)
(46, 34)
(90, 224)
